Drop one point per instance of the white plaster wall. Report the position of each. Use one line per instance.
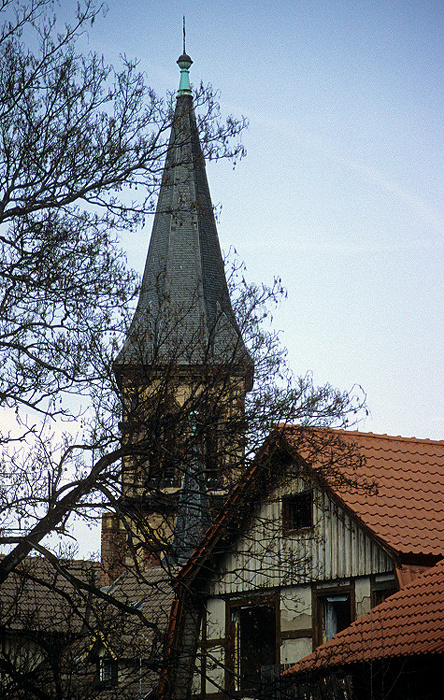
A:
(295, 604)
(215, 677)
(215, 618)
(196, 682)
(362, 596)
(292, 650)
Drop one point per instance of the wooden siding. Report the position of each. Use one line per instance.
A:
(334, 553)
(336, 548)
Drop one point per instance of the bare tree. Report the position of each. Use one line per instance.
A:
(161, 447)
(78, 139)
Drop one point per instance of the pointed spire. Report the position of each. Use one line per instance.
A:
(184, 313)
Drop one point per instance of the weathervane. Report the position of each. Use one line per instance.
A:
(183, 23)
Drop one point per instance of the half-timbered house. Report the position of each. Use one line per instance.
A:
(394, 652)
(324, 526)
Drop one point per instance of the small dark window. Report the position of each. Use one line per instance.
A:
(107, 671)
(212, 477)
(167, 477)
(297, 511)
(211, 457)
(382, 590)
(165, 453)
(170, 476)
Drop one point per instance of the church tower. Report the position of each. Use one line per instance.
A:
(183, 371)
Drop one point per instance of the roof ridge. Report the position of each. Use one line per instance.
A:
(397, 438)
(362, 433)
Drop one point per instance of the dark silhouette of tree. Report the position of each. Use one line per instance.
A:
(78, 139)
(81, 156)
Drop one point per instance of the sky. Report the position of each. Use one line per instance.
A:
(341, 192)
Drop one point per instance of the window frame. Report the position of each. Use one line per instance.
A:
(234, 681)
(383, 589)
(107, 671)
(288, 518)
(319, 604)
(211, 458)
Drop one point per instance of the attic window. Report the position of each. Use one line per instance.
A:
(297, 512)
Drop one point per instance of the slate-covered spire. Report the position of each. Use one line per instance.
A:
(184, 313)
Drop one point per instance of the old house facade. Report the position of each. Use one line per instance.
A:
(292, 561)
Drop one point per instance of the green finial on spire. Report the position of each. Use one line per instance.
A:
(184, 62)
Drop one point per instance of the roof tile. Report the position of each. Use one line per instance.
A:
(410, 622)
(405, 507)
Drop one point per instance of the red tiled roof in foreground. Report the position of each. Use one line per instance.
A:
(410, 622)
(405, 509)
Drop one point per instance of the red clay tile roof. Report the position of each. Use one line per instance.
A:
(405, 509)
(408, 573)
(410, 622)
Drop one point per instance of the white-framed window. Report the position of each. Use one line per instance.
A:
(334, 613)
(107, 671)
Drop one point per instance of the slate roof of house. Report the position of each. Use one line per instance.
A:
(184, 314)
(408, 623)
(405, 507)
(148, 590)
(393, 486)
(36, 596)
(39, 598)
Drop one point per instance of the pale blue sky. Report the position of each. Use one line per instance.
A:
(341, 193)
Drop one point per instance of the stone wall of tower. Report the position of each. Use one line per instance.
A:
(151, 512)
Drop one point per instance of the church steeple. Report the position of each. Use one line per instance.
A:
(184, 313)
(183, 371)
